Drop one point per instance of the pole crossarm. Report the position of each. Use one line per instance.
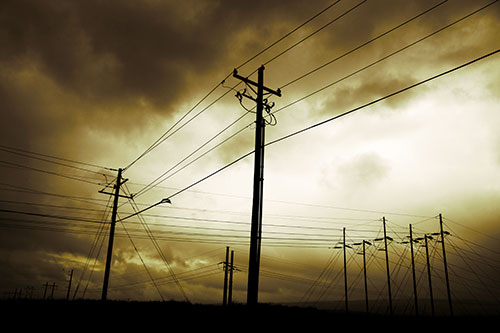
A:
(120, 195)
(255, 84)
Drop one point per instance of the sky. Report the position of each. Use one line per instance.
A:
(88, 87)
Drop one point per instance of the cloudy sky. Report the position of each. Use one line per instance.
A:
(88, 86)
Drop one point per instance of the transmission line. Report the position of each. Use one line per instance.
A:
(384, 97)
(316, 31)
(158, 248)
(322, 123)
(363, 45)
(27, 153)
(166, 135)
(385, 58)
(289, 33)
(157, 181)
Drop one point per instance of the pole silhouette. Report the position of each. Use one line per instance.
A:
(364, 274)
(231, 270)
(442, 232)
(345, 273)
(413, 272)
(258, 184)
(109, 255)
(226, 268)
(387, 267)
(426, 237)
(69, 285)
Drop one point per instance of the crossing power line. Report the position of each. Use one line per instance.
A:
(378, 100)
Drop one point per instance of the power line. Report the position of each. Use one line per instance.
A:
(158, 249)
(50, 216)
(322, 123)
(363, 44)
(384, 97)
(384, 57)
(157, 181)
(49, 172)
(316, 31)
(142, 261)
(289, 33)
(164, 136)
(372, 64)
(26, 153)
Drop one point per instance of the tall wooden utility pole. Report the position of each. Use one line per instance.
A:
(226, 269)
(258, 184)
(445, 264)
(364, 274)
(413, 272)
(387, 267)
(69, 284)
(345, 273)
(431, 295)
(230, 291)
(116, 195)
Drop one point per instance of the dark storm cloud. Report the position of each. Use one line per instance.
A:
(109, 66)
(108, 50)
(74, 64)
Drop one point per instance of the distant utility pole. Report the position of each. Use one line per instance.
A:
(226, 271)
(46, 285)
(442, 232)
(413, 272)
(227, 294)
(69, 285)
(387, 267)
(116, 195)
(53, 287)
(258, 184)
(431, 295)
(345, 272)
(231, 270)
(364, 273)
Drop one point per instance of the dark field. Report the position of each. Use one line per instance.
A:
(167, 316)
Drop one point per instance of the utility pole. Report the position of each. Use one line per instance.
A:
(364, 273)
(116, 195)
(429, 272)
(413, 272)
(69, 284)
(258, 184)
(226, 268)
(230, 292)
(445, 264)
(345, 273)
(54, 286)
(387, 266)
(46, 285)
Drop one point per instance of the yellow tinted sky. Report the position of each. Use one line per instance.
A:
(100, 82)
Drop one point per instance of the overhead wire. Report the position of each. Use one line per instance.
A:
(316, 31)
(290, 33)
(157, 180)
(385, 97)
(98, 236)
(158, 248)
(142, 261)
(166, 135)
(362, 45)
(435, 32)
(49, 172)
(434, 77)
(27, 153)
